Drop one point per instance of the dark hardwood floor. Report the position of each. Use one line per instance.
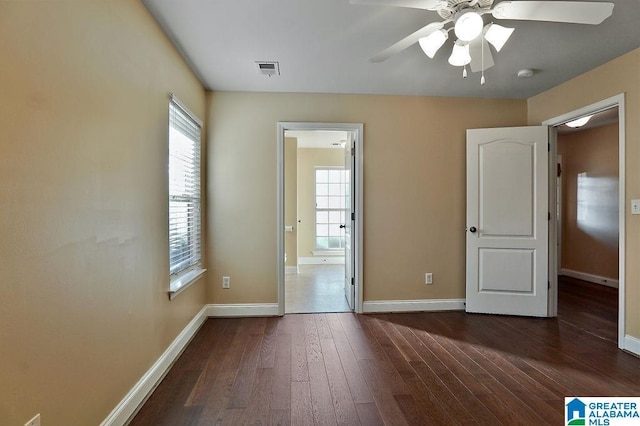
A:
(422, 368)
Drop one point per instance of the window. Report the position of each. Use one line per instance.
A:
(331, 184)
(184, 194)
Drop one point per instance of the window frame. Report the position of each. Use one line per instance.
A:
(184, 275)
(342, 210)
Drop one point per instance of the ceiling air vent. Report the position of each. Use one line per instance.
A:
(268, 68)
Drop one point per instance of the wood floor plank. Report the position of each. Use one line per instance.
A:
(389, 410)
(243, 383)
(258, 407)
(357, 385)
(368, 414)
(321, 399)
(343, 405)
(281, 384)
(301, 410)
(216, 396)
(221, 344)
(322, 324)
(280, 417)
(299, 366)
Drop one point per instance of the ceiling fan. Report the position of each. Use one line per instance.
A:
(473, 36)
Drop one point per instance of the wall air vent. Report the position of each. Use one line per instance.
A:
(268, 68)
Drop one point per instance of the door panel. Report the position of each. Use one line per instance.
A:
(507, 221)
(349, 185)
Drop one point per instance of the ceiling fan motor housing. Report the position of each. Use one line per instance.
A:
(455, 6)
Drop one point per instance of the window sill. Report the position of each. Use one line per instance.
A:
(183, 282)
(337, 252)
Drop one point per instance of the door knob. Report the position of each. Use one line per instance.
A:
(473, 229)
(343, 226)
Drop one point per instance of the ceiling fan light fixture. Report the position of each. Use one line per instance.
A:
(434, 41)
(497, 35)
(460, 54)
(468, 26)
(579, 122)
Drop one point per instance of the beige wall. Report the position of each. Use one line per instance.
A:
(84, 310)
(291, 200)
(308, 160)
(414, 187)
(590, 242)
(610, 79)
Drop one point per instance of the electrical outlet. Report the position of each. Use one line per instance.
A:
(34, 421)
(428, 278)
(635, 206)
(226, 282)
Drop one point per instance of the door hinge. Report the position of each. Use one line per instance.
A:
(353, 152)
(549, 147)
(548, 285)
(548, 215)
(353, 216)
(353, 281)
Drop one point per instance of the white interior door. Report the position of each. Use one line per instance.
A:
(507, 221)
(349, 191)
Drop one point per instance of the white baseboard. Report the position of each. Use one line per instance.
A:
(137, 395)
(321, 260)
(597, 279)
(291, 270)
(242, 310)
(632, 344)
(413, 305)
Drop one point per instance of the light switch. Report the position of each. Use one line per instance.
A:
(635, 206)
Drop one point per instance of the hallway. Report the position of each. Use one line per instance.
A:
(315, 289)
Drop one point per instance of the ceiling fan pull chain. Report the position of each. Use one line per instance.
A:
(482, 59)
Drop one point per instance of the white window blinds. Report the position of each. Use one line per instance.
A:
(184, 190)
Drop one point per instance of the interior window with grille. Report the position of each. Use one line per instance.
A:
(330, 183)
(184, 190)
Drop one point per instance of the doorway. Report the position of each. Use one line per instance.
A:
(589, 212)
(315, 221)
(319, 217)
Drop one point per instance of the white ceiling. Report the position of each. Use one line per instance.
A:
(323, 46)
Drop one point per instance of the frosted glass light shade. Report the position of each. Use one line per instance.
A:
(460, 54)
(434, 41)
(579, 122)
(468, 26)
(497, 35)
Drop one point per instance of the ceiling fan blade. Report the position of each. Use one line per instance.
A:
(407, 41)
(576, 12)
(415, 4)
(476, 50)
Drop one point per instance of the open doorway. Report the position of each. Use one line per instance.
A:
(319, 217)
(315, 216)
(587, 238)
(588, 216)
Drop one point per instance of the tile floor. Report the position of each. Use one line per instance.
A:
(314, 289)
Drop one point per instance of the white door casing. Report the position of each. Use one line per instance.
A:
(507, 221)
(357, 131)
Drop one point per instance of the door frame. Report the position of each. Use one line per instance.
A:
(614, 101)
(357, 129)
